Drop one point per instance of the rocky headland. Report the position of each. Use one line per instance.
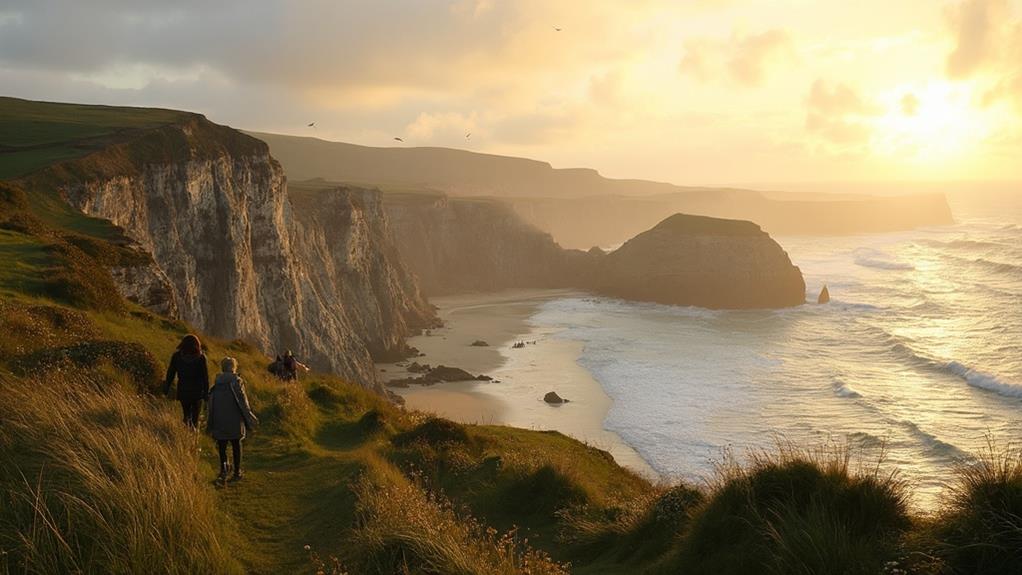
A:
(701, 261)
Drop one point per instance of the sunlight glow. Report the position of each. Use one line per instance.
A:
(931, 124)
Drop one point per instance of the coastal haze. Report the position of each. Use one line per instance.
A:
(718, 286)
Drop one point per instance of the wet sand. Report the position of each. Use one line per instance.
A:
(522, 376)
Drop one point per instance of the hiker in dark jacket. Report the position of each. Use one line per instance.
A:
(291, 365)
(188, 364)
(229, 416)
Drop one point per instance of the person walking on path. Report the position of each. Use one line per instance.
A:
(229, 416)
(188, 364)
(291, 366)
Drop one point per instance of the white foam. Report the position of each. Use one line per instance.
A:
(983, 380)
(842, 390)
(869, 258)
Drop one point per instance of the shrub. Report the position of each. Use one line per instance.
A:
(30, 327)
(797, 512)
(403, 529)
(980, 526)
(434, 431)
(102, 482)
(131, 358)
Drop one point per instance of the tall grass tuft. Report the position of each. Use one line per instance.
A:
(797, 511)
(403, 529)
(980, 526)
(97, 479)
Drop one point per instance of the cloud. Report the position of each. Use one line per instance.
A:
(744, 59)
(976, 24)
(753, 54)
(434, 128)
(837, 113)
(988, 46)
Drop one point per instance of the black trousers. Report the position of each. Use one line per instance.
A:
(190, 409)
(221, 446)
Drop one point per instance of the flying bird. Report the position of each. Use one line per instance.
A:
(399, 139)
(468, 135)
(556, 29)
(312, 124)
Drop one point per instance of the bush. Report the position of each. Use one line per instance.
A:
(403, 529)
(131, 358)
(797, 512)
(980, 526)
(434, 431)
(27, 328)
(102, 482)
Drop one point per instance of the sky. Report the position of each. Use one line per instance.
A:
(693, 92)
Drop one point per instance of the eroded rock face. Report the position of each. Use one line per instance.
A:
(702, 261)
(211, 207)
(457, 245)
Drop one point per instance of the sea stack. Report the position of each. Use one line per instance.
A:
(702, 261)
(824, 295)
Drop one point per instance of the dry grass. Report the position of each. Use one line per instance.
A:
(980, 526)
(100, 480)
(403, 529)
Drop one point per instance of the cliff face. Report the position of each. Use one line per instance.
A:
(463, 245)
(211, 207)
(347, 246)
(460, 244)
(702, 261)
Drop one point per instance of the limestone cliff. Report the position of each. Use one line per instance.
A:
(702, 261)
(465, 244)
(211, 207)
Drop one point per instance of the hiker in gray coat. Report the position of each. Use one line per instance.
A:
(229, 415)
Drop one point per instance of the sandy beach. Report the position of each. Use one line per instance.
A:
(521, 376)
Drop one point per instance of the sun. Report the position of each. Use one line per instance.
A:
(932, 124)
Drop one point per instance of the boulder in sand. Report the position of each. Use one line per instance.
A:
(552, 398)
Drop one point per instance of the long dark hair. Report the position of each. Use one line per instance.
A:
(190, 345)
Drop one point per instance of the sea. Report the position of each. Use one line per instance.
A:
(916, 360)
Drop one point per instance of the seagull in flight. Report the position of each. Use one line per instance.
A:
(312, 124)
(399, 139)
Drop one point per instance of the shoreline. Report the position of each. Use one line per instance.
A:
(521, 375)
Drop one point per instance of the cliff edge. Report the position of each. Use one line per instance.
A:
(228, 253)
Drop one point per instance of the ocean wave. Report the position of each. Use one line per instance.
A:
(931, 441)
(984, 380)
(869, 258)
(970, 376)
(999, 267)
(988, 265)
(841, 389)
(963, 245)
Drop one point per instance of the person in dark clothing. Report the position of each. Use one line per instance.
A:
(229, 416)
(277, 367)
(188, 364)
(291, 365)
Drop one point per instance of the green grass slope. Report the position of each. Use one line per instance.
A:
(36, 134)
